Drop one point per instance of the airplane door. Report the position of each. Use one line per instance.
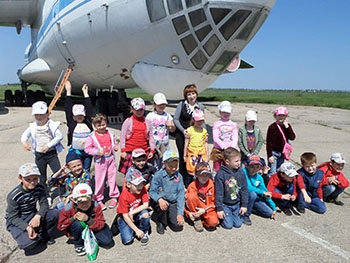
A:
(61, 42)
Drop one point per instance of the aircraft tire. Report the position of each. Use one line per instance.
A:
(8, 98)
(31, 97)
(40, 95)
(19, 98)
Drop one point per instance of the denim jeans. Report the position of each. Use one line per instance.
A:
(288, 189)
(331, 191)
(126, 233)
(232, 217)
(316, 204)
(261, 208)
(43, 159)
(279, 159)
(167, 217)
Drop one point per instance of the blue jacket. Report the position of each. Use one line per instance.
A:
(170, 188)
(313, 182)
(230, 188)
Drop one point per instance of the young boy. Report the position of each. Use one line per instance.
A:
(84, 209)
(282, 185)
(46, 140)
(312, 197)
(168, 194)
(200, 199)
(69, 179)
(133, 205)
(334, 181)
(263, 205)
(231, 191)
(26, 224)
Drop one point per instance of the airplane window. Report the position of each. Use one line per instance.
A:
(223, 62)
(199, 60)
(156, 10)
(174, 6)
(211, 45)
(197, 17)
(245, 33)
(189, 43)
(218, 14)
(235, 21)
(180, 24)
(203, 32)
(190, 3)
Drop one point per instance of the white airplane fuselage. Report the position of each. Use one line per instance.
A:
(160, 46)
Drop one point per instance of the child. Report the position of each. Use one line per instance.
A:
(312, 197)
(263, 205)
(46, 140)
(139, 163)
(83, 209)
(168, 194)
(250, 138)
(282, 185)
(162, 124)
(102, 145)
(225, 134)
(231, 191)
(136, 132)
(200, 199)
(27, 225)
(69, 179)
(334, 181)
(277, 133)
(133, 208)
(196, 144)
(79, 123)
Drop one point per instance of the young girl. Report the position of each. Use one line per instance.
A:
(102, 145)
(162, 123)
(275, 140)
(250, 138)
(136, 132)
(225, 134)
(78, 118)
(196, 145)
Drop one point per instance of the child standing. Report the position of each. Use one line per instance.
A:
(162, 124)
(69, 179)
(168, 194)
(78, 118)
(46, 140)
(334, 181)
(136, 132)
(102, 145)
(84, 209)
(225, 135)
(312, 197)
(200, 199)
(133, 208)
(196, 144)
(26, 224)
(278, 133)
(263, 205)
(231, 191)
(250, 138)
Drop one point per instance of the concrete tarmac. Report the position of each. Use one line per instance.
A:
(300, 238)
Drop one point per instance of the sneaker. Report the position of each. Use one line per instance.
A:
(49, 201)
(247, 221)
(198, 225)
(113, 203)
(338, 202)
(160, 228)
(301, 209)
(103, 206)
(286, 211)
(144, 240)
(80, 251)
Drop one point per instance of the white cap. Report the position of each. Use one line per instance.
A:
(159, 98)
(81, 190)
(338, 158)
(225, 106)
(78, 109)
(39, 107)
(288, 169)
(251, 116)
(28, 169)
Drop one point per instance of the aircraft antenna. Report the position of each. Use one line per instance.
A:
(61, 87)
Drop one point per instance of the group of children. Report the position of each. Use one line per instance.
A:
(153, 188)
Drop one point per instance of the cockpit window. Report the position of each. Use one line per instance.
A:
(156, 9)
(199, 60)
(189, 44)
(245, 33)
(203, 32)
(233, 23)
(212, 44)
(223, 62)
(218, 14)
(174, 6)
(190, 3)
(180, 24)
(197, 17)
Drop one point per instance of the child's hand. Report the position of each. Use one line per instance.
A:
(268, 194)
(35, 221)
(200, 211)
(191, 216)
(286, 197)
(285, 123)
(123, 155)
(180, 220)
(31, 232)
(81, 216)
(150, 156)
(115, 148)
(221, 214)
(68, 88)
(271, 159)
(186, 134)
(293, 197)
(307, 199)
(44, 149)
(273, 216)
(139, 233)
(26, 146)
(85, 89)
(101, 152)
(242, 210)
(163, 204)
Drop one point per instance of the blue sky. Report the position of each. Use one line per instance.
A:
(303, 44)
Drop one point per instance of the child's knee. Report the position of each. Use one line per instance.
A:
(145, 215)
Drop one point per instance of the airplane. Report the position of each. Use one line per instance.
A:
(157, 45)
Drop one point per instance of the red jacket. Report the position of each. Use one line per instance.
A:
(329, 171)
(277, 182)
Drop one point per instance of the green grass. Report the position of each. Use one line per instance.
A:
(334, 99)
